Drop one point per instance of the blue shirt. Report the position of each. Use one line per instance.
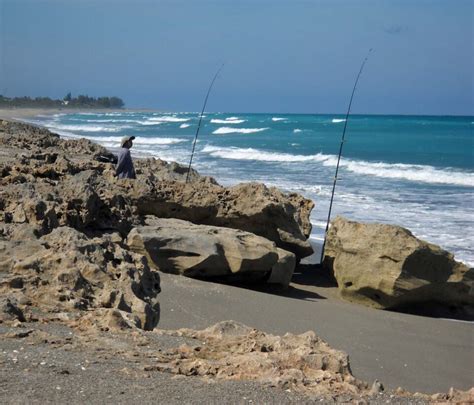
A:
(124, 168)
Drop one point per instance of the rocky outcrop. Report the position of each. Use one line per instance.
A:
(180, 247)
(232, 351)
(249, 207)
(67, 272)
(385, 266)
(57, 182)
(64, 215)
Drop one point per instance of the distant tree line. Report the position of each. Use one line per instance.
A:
(82, 101)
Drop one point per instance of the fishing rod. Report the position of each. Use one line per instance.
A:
(200, 120)
(340, 153)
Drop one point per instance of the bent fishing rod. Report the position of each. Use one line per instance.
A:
(200, 120)
(340, 152)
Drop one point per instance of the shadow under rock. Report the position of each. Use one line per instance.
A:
(313, 275)
(305, 274)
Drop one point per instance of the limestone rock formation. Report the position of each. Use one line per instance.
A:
(232, 351)
(65, 271)
(180, 247)
(385, 266)
(250, 207)
(55, 182)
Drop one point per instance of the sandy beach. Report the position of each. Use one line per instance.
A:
(24, 113)
(419, 354)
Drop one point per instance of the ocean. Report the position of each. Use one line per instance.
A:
(413, 171)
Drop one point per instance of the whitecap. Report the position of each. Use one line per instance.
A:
(184, 125)
(109, 120)
(228, 130)
(421, 173)
(141, 140)
(296, 130)
(226, 121)
(396, 171)
(167, 118)
(86, 128)
(278, 119)
(337, 120)
(254, 154)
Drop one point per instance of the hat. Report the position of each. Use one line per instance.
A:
(125, 139)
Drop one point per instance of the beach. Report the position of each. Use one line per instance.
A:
(419, 354)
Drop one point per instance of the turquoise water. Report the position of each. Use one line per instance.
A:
(414, 171)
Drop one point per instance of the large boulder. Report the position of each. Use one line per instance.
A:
(385, 266)
(251, 207)
(180, 247)
(65, 271)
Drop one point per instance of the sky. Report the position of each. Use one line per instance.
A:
(280, 56)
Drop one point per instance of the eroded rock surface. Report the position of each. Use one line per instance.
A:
(55, 182)
(232, 351)
(67, 272)
(64, 216)
(180, 247)
(385, 266)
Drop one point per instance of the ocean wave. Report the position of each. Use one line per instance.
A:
(254, 154)
(278, 119)
(138, 141)
(109, 120)
(184, 125)
(337, 120)
(87, 128)
(227, 121)
(397, 171)
(228, 130)
(167, 118)
(421, 173)
(296, 130)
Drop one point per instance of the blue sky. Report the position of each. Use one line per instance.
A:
(281, 56)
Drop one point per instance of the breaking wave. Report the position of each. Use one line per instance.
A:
(398, 171)
(141, 140)
(228, 130)
(278, 119)
(167, 118)
(234, 120)
(254, 154)
(87, 128)
(336, 120)
(296, 130)
(184, 125)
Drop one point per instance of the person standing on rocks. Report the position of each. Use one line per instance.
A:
(124, 168)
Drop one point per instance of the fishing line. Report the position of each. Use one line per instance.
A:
(340, 153)
(200, 120)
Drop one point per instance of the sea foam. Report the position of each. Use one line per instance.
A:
(138, 140)
(337, 120)
(229, 130)
(167, 118)
(87, 128)
(227, 121)
(420, 173)
(278, 119)
(254, 154)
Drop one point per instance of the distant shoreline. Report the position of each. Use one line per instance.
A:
(20, 112)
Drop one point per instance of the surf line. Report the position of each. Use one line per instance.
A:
(200, 120)
(340, 153)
